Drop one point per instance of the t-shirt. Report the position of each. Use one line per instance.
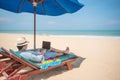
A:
(32, 56)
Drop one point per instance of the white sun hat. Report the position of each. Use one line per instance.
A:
(22, 41)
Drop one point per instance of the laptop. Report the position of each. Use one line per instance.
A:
(46, 45)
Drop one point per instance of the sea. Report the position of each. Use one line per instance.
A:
(114, 33)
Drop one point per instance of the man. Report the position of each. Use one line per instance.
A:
(38, 55)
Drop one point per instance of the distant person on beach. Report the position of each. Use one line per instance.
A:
(38, 55)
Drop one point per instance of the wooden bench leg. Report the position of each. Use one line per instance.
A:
(69, 65)
(17, 77)
(2, 65)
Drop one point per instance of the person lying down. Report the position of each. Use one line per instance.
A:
(38, 55)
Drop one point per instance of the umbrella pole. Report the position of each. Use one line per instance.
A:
(34, 27)
(35, 4)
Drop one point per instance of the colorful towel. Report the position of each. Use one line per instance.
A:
(56, 61)
(51, 62)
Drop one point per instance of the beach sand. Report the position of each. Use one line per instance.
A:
(99, 56)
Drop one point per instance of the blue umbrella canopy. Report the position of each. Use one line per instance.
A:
(41, 7)
(44, 7)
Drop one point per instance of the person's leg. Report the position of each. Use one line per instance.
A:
(56, 52)
(60, 51)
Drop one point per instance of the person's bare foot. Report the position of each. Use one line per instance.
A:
(67, 50)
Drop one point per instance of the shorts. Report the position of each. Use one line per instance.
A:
(50, 54)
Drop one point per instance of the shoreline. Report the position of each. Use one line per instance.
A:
(82, 36)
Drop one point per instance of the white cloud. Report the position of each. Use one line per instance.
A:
(27, 24)
(52, 23)
(112, 22)
(115, 22)
(5, 20)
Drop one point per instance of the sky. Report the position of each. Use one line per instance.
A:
(96, 14)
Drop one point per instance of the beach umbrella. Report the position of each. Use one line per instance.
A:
(41, 7)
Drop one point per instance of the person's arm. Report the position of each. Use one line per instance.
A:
(39, 52)
(43, 51)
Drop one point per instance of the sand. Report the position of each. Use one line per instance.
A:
(99, 56)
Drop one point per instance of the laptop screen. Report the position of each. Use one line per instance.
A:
(46, 44)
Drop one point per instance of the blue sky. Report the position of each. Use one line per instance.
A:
(96, 14)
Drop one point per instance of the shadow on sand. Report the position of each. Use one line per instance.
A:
(57, 71)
